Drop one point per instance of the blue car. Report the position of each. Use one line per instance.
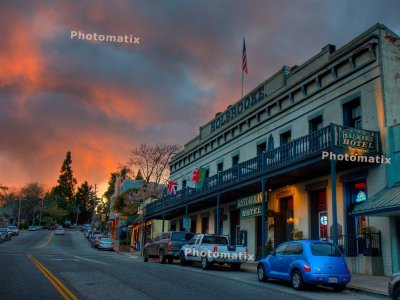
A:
(306, 262)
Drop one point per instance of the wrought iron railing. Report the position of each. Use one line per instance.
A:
(290, 153)
(356, 244)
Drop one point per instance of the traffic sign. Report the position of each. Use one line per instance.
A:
(187, 223)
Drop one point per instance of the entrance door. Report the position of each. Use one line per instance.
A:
(318, 215)
(235, 226)
(284, 221)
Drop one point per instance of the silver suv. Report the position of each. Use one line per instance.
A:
(394, 286)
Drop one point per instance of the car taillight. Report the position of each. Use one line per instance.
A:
(306, 268)
(169, 246)
(101, 243)
(348, 270)
(215, 248)
(247, 251)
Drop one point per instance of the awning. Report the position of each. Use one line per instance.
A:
(386, 201)
(132, 219)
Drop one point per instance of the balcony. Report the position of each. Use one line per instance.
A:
(301, 151)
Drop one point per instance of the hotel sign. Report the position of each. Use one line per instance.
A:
(236, 110)
(250, 206)
(357, 139)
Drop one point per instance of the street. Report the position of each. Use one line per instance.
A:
(40, 265)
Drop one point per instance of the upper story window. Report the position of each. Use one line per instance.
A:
(220, 167)
(285, 137)
(261, 148)
(235, 160)
(183, 183)
(315, 124)
(352, 114)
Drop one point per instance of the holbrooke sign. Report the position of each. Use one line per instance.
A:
(358, 139)
(236, 110)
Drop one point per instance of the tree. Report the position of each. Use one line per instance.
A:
(122, 173)
(32, 196)
(139, 175)
(84, 202)
(66, 183)
(152, 161)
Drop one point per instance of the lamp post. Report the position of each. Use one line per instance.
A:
(143, 225)
(19, 211)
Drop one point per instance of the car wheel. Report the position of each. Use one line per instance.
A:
(204, 263)
(170, 260)
(162, 257)
(396, 294)
(145, 257)
(339, 287)
(261, 273)
(182, 259)
(235, 267)
(297, 280)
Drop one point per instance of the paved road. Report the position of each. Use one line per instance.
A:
(38, 265)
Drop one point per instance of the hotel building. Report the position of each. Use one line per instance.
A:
(313, 152)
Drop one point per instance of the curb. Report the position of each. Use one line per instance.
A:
(349, 287)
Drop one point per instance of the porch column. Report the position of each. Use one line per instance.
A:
(162, 222)
(263, 217)
(334, 207)
(218, 214)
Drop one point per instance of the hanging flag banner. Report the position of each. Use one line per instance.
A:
(172, 187)
(199, 174)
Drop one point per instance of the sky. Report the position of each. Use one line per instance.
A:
(101, 99)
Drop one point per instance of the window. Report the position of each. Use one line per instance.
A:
(315, 124)
(352, 114)
(181, 236)
(285, 152)
(204, 225)
(281, 249)
(324, 249)
(285, 137)
(261, 148)
(193, 241)
(294, 249)
(183, 183)
(165, 236)
(235, 160)
(220, 167)
(212, 239)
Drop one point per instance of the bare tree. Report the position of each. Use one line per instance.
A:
(152, 161)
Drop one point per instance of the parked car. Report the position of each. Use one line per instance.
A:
(209, 249)
(306, 262)
(86, 233)
(92, 235)
(85, 227)
(59, 230)
(105, 243)
(95, 240)
(166, 246)
(394, 286)
(14, 230)
(6, 233)
(2, 237)
(34, 228)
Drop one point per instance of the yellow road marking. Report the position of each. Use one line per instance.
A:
(47, 242)
(59, 286)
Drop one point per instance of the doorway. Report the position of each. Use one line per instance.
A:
(235, 226)
(284, 221)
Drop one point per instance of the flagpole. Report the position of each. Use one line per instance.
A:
(242, 83)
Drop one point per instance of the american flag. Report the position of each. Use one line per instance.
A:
(244, 58)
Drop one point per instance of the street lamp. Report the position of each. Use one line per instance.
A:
(19, 211)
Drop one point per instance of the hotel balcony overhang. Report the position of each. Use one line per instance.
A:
(310, 156)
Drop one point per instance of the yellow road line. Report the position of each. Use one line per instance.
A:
(47, 242)
(59, 286)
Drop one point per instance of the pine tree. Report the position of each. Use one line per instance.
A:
(139, 175)
(66, 183)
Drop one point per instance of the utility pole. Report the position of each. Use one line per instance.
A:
(19, 211)
(94, 203)
(40, 216)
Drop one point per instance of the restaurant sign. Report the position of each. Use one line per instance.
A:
(250, 206)
(357, 139)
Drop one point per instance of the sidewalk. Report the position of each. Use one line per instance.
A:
(363, 283)
(366, 283)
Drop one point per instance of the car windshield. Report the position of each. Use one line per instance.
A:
(181, 236)
(12, 227)
(324, 249)
(210, 239)
(107, 240)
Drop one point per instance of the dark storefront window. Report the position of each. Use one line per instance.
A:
(204, 225)
(220, 167)
(318, 214)
(261, 148)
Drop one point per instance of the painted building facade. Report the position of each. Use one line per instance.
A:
(302, 156)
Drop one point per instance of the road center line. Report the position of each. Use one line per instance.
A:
(47, 242)
(99, 262)
(58, 285)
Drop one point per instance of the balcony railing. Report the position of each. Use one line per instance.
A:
(295, 151)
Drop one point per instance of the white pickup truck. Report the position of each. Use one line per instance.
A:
(209, 249)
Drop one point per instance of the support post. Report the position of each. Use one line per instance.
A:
(162, 223)
(263, 217)
(218, 214)
(334, 206)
